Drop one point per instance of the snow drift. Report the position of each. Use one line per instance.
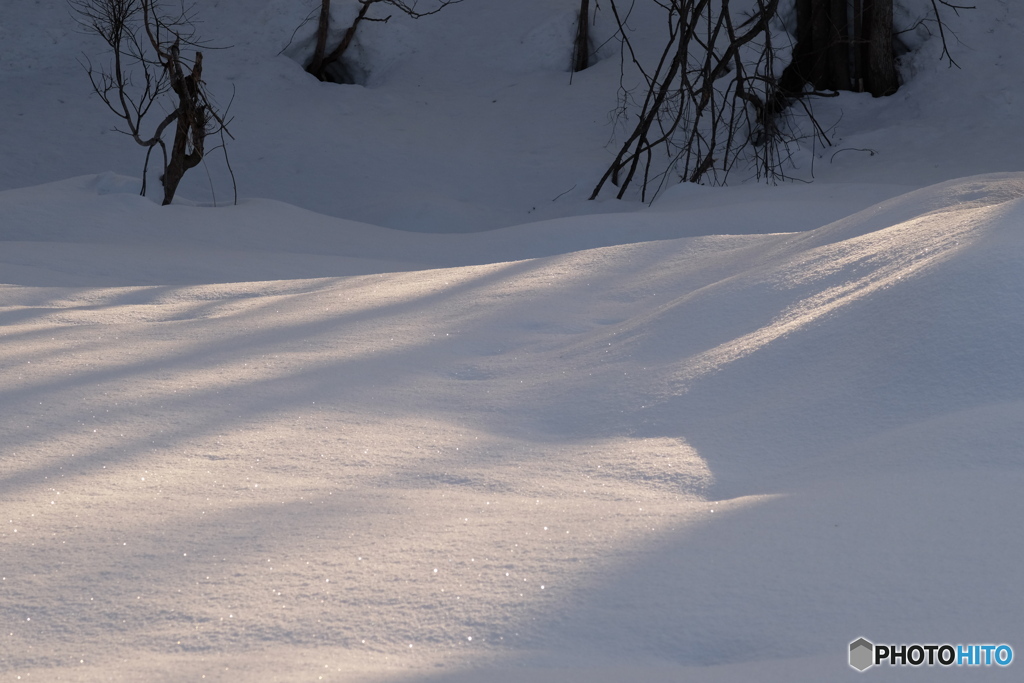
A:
(658, 455)
(715, 439)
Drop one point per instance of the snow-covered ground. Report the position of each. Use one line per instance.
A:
(416, 411)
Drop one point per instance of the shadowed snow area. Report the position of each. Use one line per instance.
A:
(416, 411)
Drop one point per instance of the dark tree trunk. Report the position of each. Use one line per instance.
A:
(323, 25)
(191, 124)
(801, 66)
(830, 54)
(819, 13)
(879, 66)
(581, 49)
(857, 47)
(822, 56)
(838, 47)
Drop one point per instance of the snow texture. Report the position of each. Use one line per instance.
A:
(416, 411)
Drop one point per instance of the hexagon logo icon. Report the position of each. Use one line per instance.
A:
(862, 654)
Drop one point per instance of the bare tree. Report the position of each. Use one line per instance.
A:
(147, 67)
(325, 65)
(707, 103)
(715, 97)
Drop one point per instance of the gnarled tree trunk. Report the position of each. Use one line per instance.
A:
(190, 131)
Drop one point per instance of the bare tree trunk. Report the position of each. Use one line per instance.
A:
(581, 49)
(857, 47)
(838, 46)
(317, 63)
(191, 125)
(821, 55)
(831, 54)
(879, 67)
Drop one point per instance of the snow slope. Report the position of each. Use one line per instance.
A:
(714, 439)
(664, 453)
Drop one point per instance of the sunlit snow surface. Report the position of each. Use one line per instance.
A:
(664, 453)
(715, 440)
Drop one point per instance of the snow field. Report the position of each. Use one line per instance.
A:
(402, 434)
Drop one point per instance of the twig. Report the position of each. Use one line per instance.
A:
(871, 152)
(564, 193)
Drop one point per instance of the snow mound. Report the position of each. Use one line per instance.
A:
(787, 354)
